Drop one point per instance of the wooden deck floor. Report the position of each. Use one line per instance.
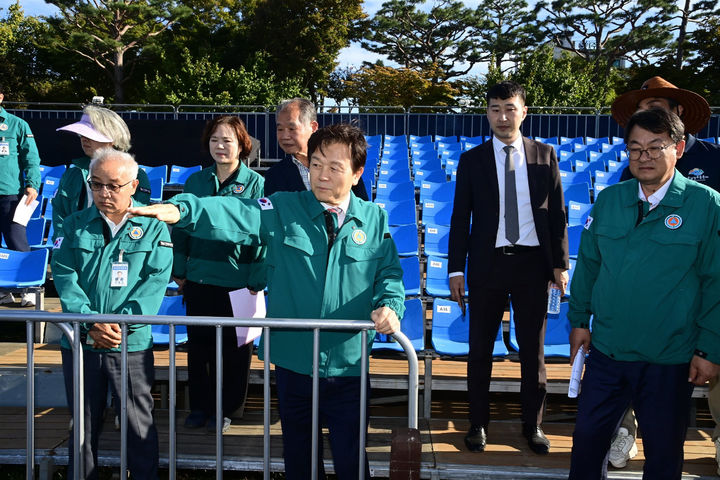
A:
(444, 455)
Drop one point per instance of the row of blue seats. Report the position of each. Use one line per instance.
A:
(449, 331)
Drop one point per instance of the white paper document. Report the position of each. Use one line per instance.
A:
(246, 305)
(576, 374)
(24, 212)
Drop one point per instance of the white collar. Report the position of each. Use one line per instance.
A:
(499, 146)
(115, 228)
(655, 198)
(343, 205)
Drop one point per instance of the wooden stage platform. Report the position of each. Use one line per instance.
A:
(443, 454)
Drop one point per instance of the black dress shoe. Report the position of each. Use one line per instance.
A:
(537, 441)
(476, 439)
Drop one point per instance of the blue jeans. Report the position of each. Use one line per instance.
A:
(660, 395)
(339, 410)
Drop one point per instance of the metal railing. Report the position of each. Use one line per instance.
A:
(69, 323)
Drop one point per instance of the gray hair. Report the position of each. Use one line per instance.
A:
(109, 124)
(104, 154)
(307, 109)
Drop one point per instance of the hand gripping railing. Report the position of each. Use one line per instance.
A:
(64, 321)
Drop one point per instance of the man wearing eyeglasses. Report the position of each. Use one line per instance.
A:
(108, 263)
(648, 272)
(700, 161)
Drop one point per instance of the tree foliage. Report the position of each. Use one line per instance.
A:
(302, 38)
(111, 33)
(507, 29)
(204, 82)
(441, 40)
(609, 31)
(386, 86)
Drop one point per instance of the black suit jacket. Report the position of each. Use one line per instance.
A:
(284, 176)
(477, 194)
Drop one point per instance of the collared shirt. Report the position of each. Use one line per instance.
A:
(655, 198)
(528, 236)
(304, 172)
(343, 209)
(115, 228)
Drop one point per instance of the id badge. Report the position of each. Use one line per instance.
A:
(119, 273)
(4, 148)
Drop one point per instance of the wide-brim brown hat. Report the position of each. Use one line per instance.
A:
(696, 110)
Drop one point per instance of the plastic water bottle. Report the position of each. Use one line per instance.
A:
(553, 306)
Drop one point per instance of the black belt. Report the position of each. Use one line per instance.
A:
(515, 249)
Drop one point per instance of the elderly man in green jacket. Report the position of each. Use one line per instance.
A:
(329, 255)
(648, 273)
(108, 263)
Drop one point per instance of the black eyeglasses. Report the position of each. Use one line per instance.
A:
(111, 187)
(652, 152)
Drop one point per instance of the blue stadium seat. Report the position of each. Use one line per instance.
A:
(578, 213)
(436, 280)
(56, 171)
(24, 271)
(446, 138)
(411, 275)
(590, 167)
(156, 189)
(574, 233)
(421, 140)
(374, 140)
(394, 140)
(557, 333)
(570, 178)
(427, 162)
(596, 140)
(444, 192)
(50, 186)
(157, 172)
(178, 174)
(399, 213)
(436, 240)
(565, 166)
(549, 140)
(406, 239)
(607, 178)
(571, 272)
(394, 192)
(604, 156)
(35, 232)
(573, 157)
(426, 175)
(710, 139)
(47, 213)
(436, 212)
(615, 166)
(578, 192)
(451, 330)
(412, 325)
(571, 140)
(617, 140)
(161, 333)
(394, 175)
(38, 212)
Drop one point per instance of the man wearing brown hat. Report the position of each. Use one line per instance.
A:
(700, 162)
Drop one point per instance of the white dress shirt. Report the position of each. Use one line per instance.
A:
(115, 228)
(343, 209)
(655, 198)
(528, 236)
(304, 172)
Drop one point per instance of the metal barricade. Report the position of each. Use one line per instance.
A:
(69, 323)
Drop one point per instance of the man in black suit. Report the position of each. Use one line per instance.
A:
(517, 247)
(296, 120)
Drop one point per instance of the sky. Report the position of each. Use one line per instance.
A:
(351, 56)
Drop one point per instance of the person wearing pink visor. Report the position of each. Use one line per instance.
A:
(98, 128)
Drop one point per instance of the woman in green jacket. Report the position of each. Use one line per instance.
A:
(98, 128)
(207, 271)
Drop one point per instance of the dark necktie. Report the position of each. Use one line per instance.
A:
(512, 227)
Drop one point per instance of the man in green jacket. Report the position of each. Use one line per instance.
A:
(648, 273)
(107, 263)
(321, 263)
(19, 175)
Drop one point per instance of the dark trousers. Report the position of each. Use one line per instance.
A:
(661, 396)
(214, 301)
(522, 277)
(13, 233)
(339, 411)
(101, 370)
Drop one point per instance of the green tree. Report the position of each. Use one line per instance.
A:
(689, 14)
(21, 68)
(605, 32)
(386, 86)
(302, 37)
(507, 29)
(706, 60)
(203, 82)
(551, 81)
(444, 37)
(111, 33)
